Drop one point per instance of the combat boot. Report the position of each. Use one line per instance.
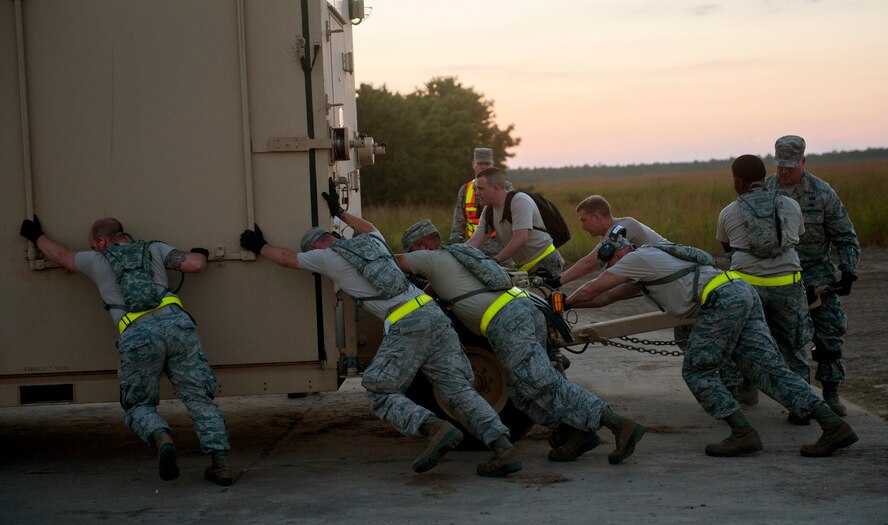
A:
(837, 434)
(576, 443)
(166, 455)
(743, 439)
(505, 460)
(442, 437)
(626, 434)
(220, 471)
(831, 396)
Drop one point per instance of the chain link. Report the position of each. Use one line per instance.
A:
(636, 341)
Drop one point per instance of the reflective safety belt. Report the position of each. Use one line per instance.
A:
(780, 280)
(130, 317)
(405, 309)
(497, 305)
(715, 282)
(531, 264)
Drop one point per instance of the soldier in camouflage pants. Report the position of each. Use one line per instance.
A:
(151, 343)
(827, 225)
(517, 333)
(168, 343)
(730, 327)
(418, 337)
(425, 341)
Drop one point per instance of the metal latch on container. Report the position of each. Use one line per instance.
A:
(298, 143)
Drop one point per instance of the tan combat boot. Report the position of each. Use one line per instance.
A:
(626, 434)
(831, 396)
(577, 442)
(220, 471)
(743, 439)
(442, 437)
(836, 434)
(504, 461)
(166, 455)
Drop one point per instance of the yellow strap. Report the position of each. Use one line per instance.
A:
(130, 317)
(497, 305)
(780, 280)
(405, 309)
(715, 282)
(531, 264)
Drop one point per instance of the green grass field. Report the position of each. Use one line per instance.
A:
(682, 207)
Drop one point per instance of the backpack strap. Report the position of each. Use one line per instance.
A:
(466, 295)
(507, 212)
(695, 269)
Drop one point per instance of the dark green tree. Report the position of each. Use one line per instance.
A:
(430, 135)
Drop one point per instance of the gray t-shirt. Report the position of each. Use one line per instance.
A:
(731, 229)
(637, 233)
(330, 264)
(451, 279)
(95, 266)
(677, 297)
(525, 216)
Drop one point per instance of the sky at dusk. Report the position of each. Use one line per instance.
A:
(631, 81)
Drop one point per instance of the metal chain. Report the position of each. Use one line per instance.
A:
(626, 346)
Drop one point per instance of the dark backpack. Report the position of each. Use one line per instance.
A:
(765, 219)
(555, 223)
(134, 275)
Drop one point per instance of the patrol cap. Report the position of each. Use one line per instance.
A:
(789, 151)
(483, 155)
(310, 237)
(417, 232)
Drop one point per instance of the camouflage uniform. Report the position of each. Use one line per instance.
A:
(425, 341)
(551, 266)
(730, 329)
(731, 326)
(785, 306)
(826, 224)
(517, 335)
(168, 343)
(161, 341)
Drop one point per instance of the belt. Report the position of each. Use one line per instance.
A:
(531, 264)
(715, 282)
(497, 305)
(405, 309)
(780, 280)
(130, 317)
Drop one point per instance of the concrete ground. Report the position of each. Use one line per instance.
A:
(327, 459)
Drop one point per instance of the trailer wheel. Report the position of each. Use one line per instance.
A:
(490, 382)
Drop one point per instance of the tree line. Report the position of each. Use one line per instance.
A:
(431, 132)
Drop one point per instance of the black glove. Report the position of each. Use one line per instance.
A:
(253, 239)
(844, 284)
(552, 282)
(332, 198)
(811, 293)
(202, 251)
(31, 230)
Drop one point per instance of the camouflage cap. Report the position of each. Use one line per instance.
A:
(312, 235)
(789, 151)
(417, 232)
(483, 155)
